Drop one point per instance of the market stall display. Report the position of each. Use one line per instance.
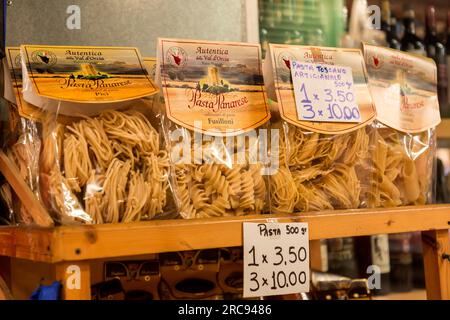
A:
(324, 165)
(214, 102)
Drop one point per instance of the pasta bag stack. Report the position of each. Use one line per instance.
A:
(215, 106)
(404, 88)
(324, 156)
(102, 160)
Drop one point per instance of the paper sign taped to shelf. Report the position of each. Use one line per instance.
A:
(324, 92)
(276, 259)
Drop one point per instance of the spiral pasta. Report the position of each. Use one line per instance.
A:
(216, 183)
(110, 169)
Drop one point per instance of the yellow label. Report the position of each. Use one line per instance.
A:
(280, 87)
(404, 88)
(215, 88)
(87, 74)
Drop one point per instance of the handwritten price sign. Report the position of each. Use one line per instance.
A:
(324, 92)
(276, 259)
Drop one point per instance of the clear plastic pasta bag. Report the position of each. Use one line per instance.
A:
(102, 159)
(215, 124)
(323, 165)
(21, 144)
(404, 90)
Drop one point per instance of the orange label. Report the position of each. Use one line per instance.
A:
(87, 74)
(404, 88)
(217, 85)
(277, 74)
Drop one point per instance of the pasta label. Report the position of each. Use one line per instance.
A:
(324, 93)
(280, 88)
(85, 74)
(218, 85)
(404, 88)
(14, 87)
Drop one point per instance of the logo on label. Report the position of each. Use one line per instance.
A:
(177, 57)
(375, 61)
(285, 58)
(44, 57)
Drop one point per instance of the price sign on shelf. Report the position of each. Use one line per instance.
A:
(276, 259)
(324, 92)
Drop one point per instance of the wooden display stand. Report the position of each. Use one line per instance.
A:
(70, 248)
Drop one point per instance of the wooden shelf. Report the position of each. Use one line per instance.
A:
(412, 295)
(76, 243)
(443, 130)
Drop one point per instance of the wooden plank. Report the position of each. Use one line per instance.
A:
(412, 295)
(26, 276)
(443, 129)
(5, 293)
(437, 266)
(23, 191)
(75, 243)
(90, 242)
(29, 243)
(5, 269)
(75, 278)
(318, 258)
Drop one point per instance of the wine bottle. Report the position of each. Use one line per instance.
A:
(436, 51)
(411, 42)
(386, 17)
(393, 39)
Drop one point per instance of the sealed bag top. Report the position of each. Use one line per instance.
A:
(65, 78)
(320, 89)
(404, 88)
(215, 88)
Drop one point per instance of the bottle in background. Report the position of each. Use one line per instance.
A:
(411, 42)
(448, 58)
(401, 275)
(386, 17)
(393, 39)
(417, 260)
(374, 251)
(436, 51)
(342, 257)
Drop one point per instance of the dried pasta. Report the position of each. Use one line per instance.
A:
(320, 172)
(216, 183)
(402, 168)
(105, 169)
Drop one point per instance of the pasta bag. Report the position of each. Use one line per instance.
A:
(102, 160)
(404, 89)
(325, 128)
(215, 121)
(21, 143)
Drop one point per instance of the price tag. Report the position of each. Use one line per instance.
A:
(276, 259)
(324, 92)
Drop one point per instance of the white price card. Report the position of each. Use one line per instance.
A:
(324, 92)
(276, 259)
